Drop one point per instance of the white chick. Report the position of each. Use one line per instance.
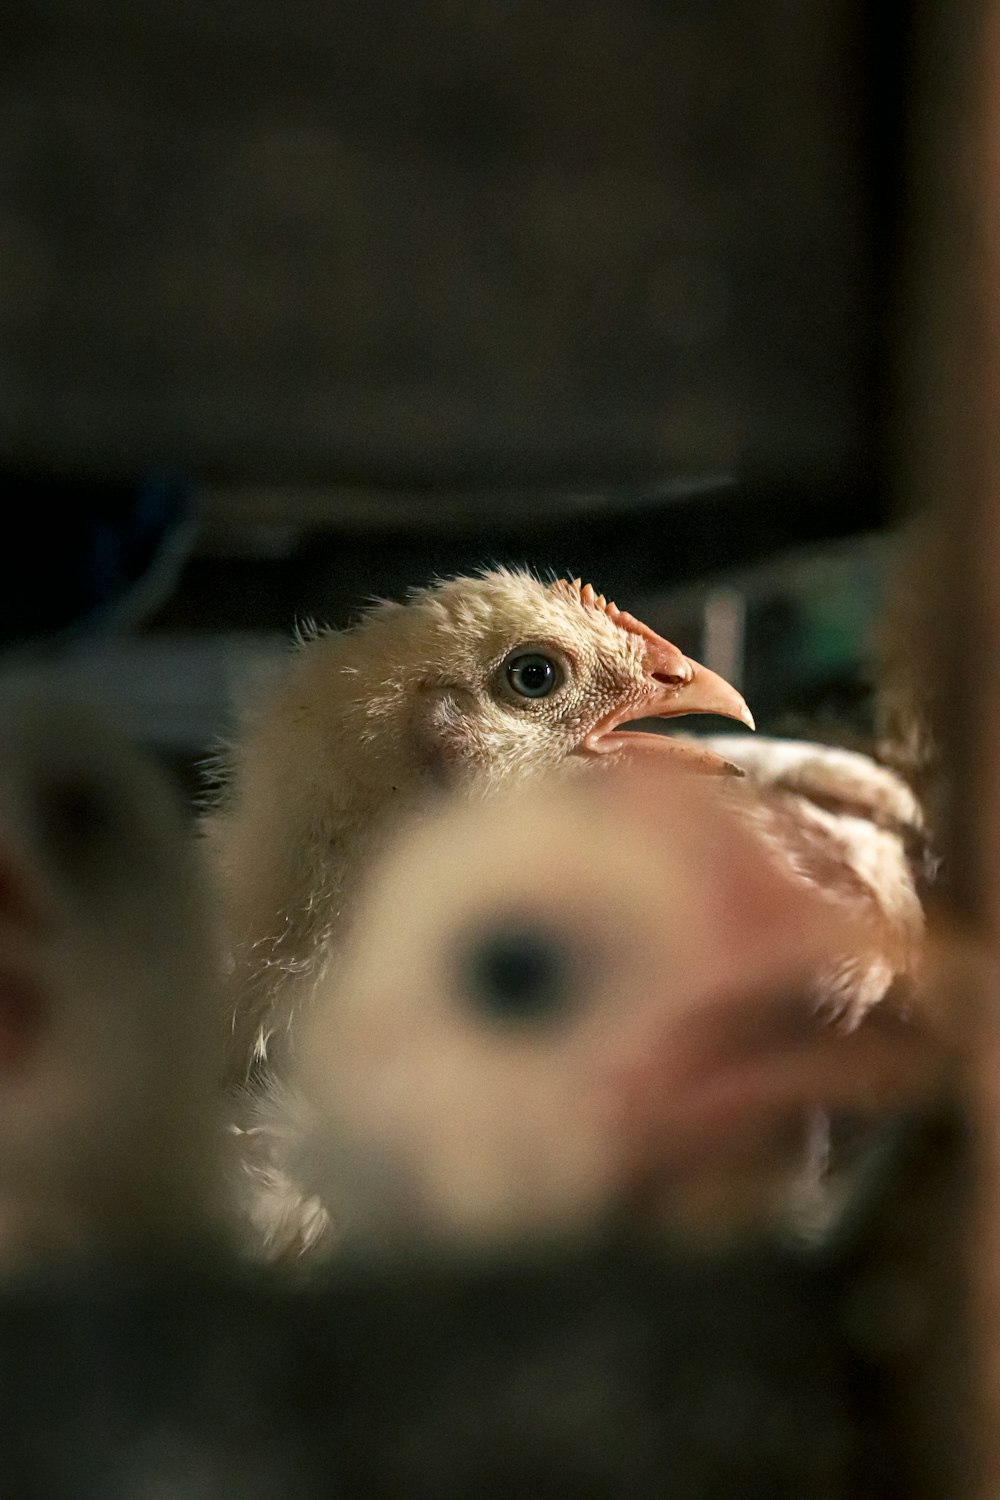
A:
(474, 682)
(577, 1000)
(107, 1004)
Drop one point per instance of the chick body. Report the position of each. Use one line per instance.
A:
(854, 830)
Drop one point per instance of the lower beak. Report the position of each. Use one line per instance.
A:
(680, 686)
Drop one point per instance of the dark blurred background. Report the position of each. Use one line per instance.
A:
(305, 304)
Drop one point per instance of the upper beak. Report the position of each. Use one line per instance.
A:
(699, 691)
(678, 686)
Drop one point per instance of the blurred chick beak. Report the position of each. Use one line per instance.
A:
(752, 1070)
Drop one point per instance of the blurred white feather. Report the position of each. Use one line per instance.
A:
(109, 1056)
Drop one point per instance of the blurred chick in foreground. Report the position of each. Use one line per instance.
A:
(473, 683)
(580, 1003)
(107, 1069)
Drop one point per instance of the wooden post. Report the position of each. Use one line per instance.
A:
(948, 465)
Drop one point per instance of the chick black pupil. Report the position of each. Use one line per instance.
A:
(532, 676)
(535, 675)
(518, 975)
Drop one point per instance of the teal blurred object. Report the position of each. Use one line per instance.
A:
(810, 646)
(82, 558)
(800, 642)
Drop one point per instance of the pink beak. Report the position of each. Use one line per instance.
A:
(676, 686)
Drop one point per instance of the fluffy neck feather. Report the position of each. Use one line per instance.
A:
(314, 776)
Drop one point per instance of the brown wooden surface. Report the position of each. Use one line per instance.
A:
(948, 462)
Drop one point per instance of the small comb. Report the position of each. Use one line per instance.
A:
(585, 595)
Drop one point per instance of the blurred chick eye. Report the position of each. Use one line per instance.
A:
(77, 819)
(531, 674)
(518, 974)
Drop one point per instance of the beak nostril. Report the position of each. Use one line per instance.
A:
(670, 679)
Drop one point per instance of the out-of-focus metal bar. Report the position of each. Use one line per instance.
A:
(948, 459)
(724, 620)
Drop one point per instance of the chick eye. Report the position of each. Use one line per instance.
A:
(531, 674)
(518, 974)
